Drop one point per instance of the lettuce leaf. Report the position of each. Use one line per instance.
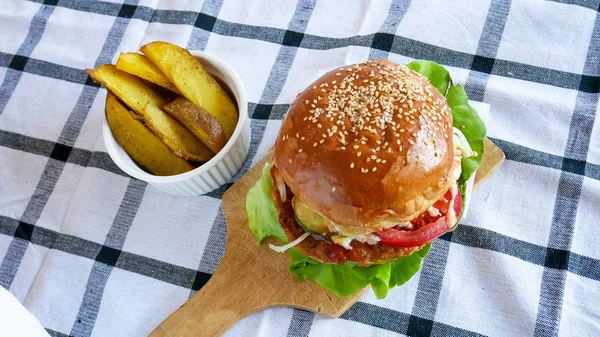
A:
(466, 119)
(435, 73)
(346, 279)
(263, 218)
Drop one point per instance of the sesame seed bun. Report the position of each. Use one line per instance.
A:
(368, 142)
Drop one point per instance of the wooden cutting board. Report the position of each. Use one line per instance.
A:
(252, 278)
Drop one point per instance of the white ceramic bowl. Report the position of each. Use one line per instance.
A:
(215, 172)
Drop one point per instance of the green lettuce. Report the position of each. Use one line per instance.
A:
(346, 279)
(466, 119)
(435, 73)
(263, 217)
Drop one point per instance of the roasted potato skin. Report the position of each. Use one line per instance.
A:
(128, 88)
(202, 124)
(193, 81)
(140, 66)
(179, 139)
(132, 91)
(140, 143)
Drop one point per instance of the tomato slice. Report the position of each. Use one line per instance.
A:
(402, 238)
(458, 204)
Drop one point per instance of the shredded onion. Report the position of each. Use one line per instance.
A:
(281, 249)
(280, 184)
(466, 148)
(464, 144)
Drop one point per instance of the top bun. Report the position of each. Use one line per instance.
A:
(368, 142)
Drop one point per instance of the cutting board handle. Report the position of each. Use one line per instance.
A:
(211, 311)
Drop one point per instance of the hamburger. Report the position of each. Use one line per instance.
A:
(373, 162)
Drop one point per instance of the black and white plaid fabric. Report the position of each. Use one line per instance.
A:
(91, 252)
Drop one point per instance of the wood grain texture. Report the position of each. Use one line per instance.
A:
(251, 278)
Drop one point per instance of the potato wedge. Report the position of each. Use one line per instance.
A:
(140, 143)
(139, 65)
(179, 139)
(129, 89)
(193, 81)
(133, 114)
(202, 124)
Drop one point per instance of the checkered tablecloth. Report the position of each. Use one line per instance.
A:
(92, 252)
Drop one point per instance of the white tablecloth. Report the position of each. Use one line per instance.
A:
(91, 252)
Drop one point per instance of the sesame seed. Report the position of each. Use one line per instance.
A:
(351, 165)
(314, 87)
(290, 161)
(374, 169)
(315, 145)
(338, 74)
(302, 138)
(321, 141)
(355, 147)
(299, 150)
(319, 126)
(358, 154)
(368, 159)
(333, 189)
